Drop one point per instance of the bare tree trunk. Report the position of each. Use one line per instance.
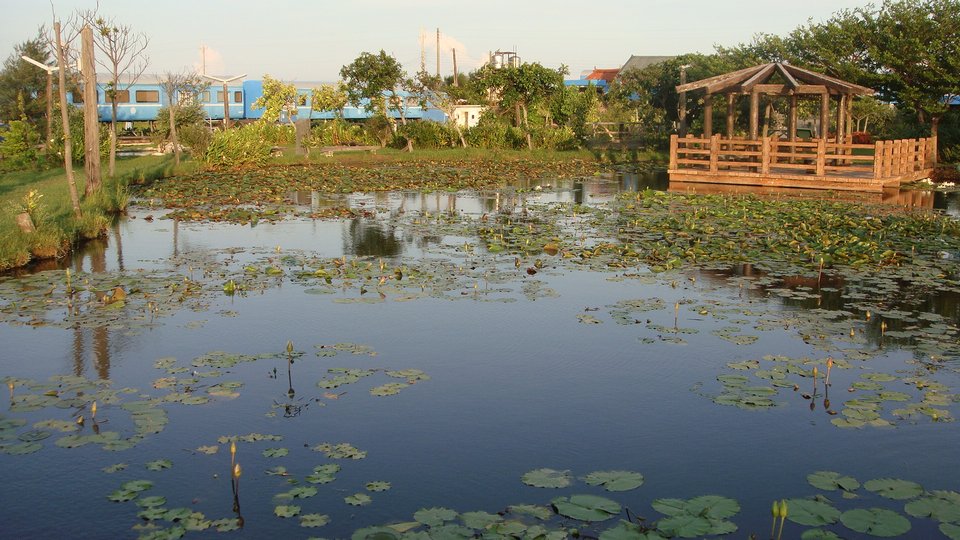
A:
(934, 136)
(112, 164)
(91, 118)
(526, 127)
(65, 117)
(173, 130)
(46, 143)
(456, 126)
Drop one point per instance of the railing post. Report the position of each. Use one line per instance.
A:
(821, 156)
(922, 154)
(887, 159)
(673, 152)
(714, 152)
(898, 157)
(877, 159)
(765, 155)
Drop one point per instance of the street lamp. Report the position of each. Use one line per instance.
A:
(49, 70)
(226, 97)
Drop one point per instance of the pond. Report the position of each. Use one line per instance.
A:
(465, 364)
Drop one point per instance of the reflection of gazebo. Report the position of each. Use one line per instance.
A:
(789, 162)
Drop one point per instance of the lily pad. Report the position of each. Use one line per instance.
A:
(893, 488)
(314, 520)
(831, 481)
(358, 499)
(547, 478)
(626, 530)
(286, 511)
(275, 452)
(434, 517)
(159, 464)
(586, 507)
(875, 521)
(479, 520)
(811, 512)
(940, 505)
(378, 486)
(615, 480)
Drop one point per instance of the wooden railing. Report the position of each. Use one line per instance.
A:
(775, 157)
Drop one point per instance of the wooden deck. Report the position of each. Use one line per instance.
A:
(814, 164)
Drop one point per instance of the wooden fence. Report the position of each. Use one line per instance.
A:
(770, 158)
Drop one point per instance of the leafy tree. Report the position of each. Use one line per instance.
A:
(122, 52)
(915, 46)
(18, 146)
(328, 97)
(179, 86)
(278, 99)
(20, 78)
(519, 88)
(369, 77)
(868, 112)
(441, 95)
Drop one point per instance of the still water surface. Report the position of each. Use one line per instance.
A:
(526, 370)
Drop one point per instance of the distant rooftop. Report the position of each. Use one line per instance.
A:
(640, 62)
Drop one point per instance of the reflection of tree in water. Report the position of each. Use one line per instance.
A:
(364, 237)
(98, 337)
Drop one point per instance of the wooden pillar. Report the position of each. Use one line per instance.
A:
(714, 152)
(824, 115)
(49, 139)
(226, 107)
(792, 121)
(877, 159)
(821, 156)
(708, 115)
(841, 106)
(730, 115)
(91, 117)
(754, 114)
(682, 98)
(673, 151)
(765, 155)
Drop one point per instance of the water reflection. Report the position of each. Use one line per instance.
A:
(368, 238)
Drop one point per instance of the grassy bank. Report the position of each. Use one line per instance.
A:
(47, 194)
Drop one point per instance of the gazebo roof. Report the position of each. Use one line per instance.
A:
(795, 81)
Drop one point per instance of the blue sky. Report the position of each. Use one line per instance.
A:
(309, 40)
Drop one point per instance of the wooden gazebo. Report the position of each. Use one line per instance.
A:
(787, 161)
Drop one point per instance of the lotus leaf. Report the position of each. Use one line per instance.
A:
(950, 530)
(388, 389)
(586, 507)
(275, 452)
(629, 531)
(358, 499)
(339, 451)
(378, 486)
(547, 478)
(159, 465)
(178, 514)
(122, 495)
(314, 520)
(154, 500)
(209, 450)
(137, 485)
(114, 468)
(300, 492)
(939, 505)
(684, 526)
(892, 488)
(479, 520)
(376, 533)
(225, 524)
(20, 449)
(615, 480)
(539, 512)
(286, 511)
(152, 513)
(830, 481)
(819, 534)
(812, 513)
(434, 517)
(875, 521)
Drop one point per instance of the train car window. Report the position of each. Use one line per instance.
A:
(148, 96)
(206, 96)
(238, 97)
(122, 96)
(77, 97)
(219, 96)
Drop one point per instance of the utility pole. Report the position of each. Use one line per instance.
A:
(65, 117)
(438, 52)
(423, 53)
(91, 117)
(226, 96)
(455, 81)
(49, 117)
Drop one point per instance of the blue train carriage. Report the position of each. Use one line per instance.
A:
(253, 89)
(140, 101)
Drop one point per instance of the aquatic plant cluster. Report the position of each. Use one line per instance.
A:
(855, 279)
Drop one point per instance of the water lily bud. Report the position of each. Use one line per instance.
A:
(776, 509)
(289, 346)
(783, 508)
(233, 449)
(236, 470)
(93, 410)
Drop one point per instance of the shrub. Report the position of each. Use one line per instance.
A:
(378, 129)
(339, 132)
(425, 134)
(18, 148)
(563, 138)
(495, 133)
(241, 147)
(196, 137)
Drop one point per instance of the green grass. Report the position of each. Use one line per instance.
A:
(57, 229)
